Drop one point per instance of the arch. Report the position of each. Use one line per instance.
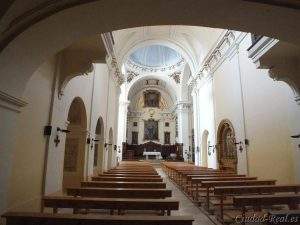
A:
(99, 147)
(74, 159)
(226, 146)
(204, 148)
(110, 149)
(82, 19)
(171, 85)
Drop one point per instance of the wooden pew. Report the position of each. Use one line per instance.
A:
(129, 179)
(119, 204)
(129, 175)
(257, 201)
(21, 218)
(119, 193)
(197, 181)
(292, 216)
(132, 172)
(212, 184)
(223, 192)
(122, 184)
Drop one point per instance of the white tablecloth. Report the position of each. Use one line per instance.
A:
(156, 154)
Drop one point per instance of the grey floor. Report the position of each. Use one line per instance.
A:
(186, 206)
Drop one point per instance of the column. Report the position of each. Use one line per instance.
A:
(122, 120)
(196, 131)
(183, 127)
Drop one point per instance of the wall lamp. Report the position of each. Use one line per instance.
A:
(213, 147)
(106, 145)
(240, 144)
(296, 136)
(62, 130)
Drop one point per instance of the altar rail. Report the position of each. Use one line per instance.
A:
(135, 152)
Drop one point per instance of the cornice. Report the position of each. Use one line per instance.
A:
(226, 46)
(10, 102)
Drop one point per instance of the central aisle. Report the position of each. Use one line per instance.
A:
(186, 206)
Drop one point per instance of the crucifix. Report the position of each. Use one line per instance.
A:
(56, 141)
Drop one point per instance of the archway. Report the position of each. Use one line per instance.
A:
(99, 147)
(204, 148)
(110, 149)
(75, 23)
(227, 151)
(74, 157)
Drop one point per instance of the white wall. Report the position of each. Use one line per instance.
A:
(271, 117)
(25, 186)
(260, 109)
(24, 183)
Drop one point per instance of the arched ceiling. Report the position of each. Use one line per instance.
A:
(155, 56)
(151, 83)
(29, 29)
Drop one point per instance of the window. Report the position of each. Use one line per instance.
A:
(96, 155)
(167, 124)
(135, 136)
(167, 138)
(135, 124)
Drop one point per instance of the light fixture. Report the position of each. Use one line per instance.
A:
(213, 147)
(240, 144)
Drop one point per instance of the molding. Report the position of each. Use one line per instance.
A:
(227, 46)
(292, 4)
(10, 102)
(297, 99)
(260, 48)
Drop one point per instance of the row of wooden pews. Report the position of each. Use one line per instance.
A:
(234, 198)
(130, 186)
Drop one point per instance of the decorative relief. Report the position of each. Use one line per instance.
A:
(114, 68)
(176, 76)
(131, 75)
(10, 102)
(214, 59)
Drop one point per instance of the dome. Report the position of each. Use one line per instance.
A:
(155, 56)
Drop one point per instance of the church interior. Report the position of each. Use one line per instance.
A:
(149, 112)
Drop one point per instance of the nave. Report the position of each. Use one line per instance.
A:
(172, 193)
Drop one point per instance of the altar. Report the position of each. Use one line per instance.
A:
(156, 154)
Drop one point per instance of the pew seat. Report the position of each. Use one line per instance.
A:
(131, 179)
(21, 218)
(119, 193)
(119, 204)
(261, 202)
(291, 216)
(125, 184)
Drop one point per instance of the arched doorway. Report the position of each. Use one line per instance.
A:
(75, 145)
(99, 147)
(110, 149)
(204, 148)
(227, 151)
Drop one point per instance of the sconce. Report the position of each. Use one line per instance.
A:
(296, 136)
(213, 149)
(57, 139)
(62, 130)
(106, 145)
(240, 144)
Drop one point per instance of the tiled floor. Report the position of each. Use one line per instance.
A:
(186, 207)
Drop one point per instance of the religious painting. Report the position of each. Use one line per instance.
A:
(71, 154)
(151, 130)
(135, 136)
(151, 98)
(167, 138)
